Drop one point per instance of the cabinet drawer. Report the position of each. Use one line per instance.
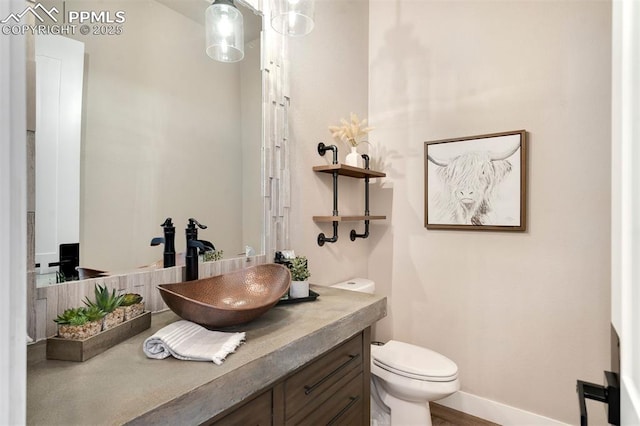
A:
(256, 412)
(345, 406)
(308, 388)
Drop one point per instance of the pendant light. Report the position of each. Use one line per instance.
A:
(225, 32)
(292, 17)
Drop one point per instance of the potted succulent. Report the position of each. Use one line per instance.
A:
(109, 303)
(132, 305)
(300, 274)
(80, 323)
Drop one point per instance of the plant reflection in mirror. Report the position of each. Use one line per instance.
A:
(212, 255)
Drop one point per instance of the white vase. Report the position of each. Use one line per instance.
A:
(352, 158)
(299, 289)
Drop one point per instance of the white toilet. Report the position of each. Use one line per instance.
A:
(405, 377)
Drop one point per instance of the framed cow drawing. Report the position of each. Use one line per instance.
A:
(476, 182)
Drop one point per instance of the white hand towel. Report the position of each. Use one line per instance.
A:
(192, 342)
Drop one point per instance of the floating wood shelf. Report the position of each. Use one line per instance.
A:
(346, 218)
(344, 170)
(336, 169)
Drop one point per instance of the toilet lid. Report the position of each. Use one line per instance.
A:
(414, 362)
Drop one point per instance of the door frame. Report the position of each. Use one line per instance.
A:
(13, 228)
(625, 200)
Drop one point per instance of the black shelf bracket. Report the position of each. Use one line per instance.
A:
(353, 235)
(322, 149)
(324, 239)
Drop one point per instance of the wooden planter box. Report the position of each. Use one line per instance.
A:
(82, 350)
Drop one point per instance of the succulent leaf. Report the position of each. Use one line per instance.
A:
(129, 299)
(94, 313)
(104, 300)
(69, 315)
(79, 320)
(79, 316)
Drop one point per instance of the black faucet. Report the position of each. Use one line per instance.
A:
(193, 244)
(169, 258)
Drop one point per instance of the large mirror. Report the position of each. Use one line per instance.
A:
(165, 131)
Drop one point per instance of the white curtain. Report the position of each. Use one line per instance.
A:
(13, 303)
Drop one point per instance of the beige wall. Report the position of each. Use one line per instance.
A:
(328, 80)
(522, 314)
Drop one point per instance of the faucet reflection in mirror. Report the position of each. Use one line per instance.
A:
(292, 17)
(225, 32)
(169, 254)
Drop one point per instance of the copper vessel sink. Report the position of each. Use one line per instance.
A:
(229, 299)
(86, 273)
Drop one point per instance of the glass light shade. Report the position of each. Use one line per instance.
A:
(225, 32)
(292, 17)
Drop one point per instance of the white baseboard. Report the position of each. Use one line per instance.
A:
(495, 411)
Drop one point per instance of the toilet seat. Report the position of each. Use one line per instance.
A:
(414, 362)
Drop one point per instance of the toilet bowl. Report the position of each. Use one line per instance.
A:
(405, 377)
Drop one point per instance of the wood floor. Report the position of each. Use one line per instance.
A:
(445, 416)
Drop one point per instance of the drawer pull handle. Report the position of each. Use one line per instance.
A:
(354, 399)
(308, 389)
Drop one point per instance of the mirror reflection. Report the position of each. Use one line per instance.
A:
(163, 131)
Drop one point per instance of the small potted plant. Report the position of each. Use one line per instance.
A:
(109, 303)
(299, 277)
(79, 323)
(132, 305)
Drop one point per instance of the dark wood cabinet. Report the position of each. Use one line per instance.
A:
(255, 412)
(333, 389)
(343, 406)
(321, 383)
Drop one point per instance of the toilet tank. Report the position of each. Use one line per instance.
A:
(362, 285)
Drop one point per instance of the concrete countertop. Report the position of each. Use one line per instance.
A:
(122, 385)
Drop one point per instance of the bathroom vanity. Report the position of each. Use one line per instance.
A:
(300, 362)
